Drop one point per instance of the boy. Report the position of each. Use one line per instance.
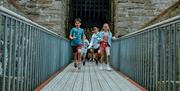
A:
(76, 36)
(95, 43)
(84, 49)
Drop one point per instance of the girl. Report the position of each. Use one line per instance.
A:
(105, 43)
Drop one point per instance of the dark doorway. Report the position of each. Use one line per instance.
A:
(92, 12)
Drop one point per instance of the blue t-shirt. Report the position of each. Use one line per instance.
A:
(78, 33)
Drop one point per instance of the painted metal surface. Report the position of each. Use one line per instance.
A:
(151, 56)
(29, 53)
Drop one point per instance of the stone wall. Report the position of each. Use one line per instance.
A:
(172, 11)
(7, 4)
(130, 15)
(48, 13)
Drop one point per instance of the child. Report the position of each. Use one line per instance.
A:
(84, 49)
(106, 38)
(95, 43)
(76, 36)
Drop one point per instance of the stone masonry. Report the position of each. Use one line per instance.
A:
(48, 13)
(172, 11)
(130, 15)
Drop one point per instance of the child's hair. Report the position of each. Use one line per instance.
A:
(108, 26)
(77, 20)
(95, 28)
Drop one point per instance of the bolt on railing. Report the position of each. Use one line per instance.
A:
(151, 56)
(29, 53)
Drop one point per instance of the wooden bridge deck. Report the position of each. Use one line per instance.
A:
(89, 78)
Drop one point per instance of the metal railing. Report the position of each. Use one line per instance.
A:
(151, 56)
(29, 53)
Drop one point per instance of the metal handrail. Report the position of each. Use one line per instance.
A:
(29, 52)
(151, 56)
(22, 18)
(146, 29)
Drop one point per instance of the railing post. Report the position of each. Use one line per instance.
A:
(5, 56)
(151, 56)
(156, 59)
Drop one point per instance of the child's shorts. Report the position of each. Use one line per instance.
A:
(96, 50)
(84, 50)
(103, 45)
(84, 54)
(75, 48)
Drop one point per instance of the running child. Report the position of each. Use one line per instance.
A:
(106, 39)
(95, 43)
(76, 36)
(84, 49)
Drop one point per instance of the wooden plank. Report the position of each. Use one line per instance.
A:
(61, 84)
(79, 80)
(89, 78)
(70, 83)
(117, 80)
(95, 82)
(104, 85)
(87, 81)
(110, 82)
(122, 82)
(55, 81)
(58, 77)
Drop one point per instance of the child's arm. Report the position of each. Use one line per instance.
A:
(83, 35)
(87, 42)
(100, 36)
(91, 42)
(71, 35)
(110, 36)
(83, 38)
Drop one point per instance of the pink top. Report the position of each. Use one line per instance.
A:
(106, 37)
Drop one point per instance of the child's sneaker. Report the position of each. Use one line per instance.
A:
(96, 62)
(108, 67)
(84, 63)
(90, 60)
(75, 65)
(79, 66)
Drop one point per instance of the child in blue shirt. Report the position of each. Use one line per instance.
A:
(84, 49)
(76, 36)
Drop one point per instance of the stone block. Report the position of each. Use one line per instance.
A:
(137, 1)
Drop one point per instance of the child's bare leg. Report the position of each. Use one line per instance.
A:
(102, 56)
(75, 57)
(79, 55)
(84, 58)
(92, 54)
(96, 56)
(102, 59)
(107, 49)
